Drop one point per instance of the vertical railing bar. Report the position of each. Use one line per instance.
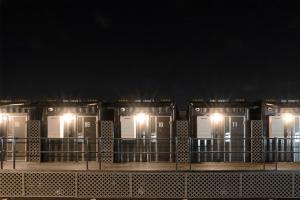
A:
(291, 150)
(1, 153)
(14, 152)
(100, 152)
(190, 153)
(276, 161)
(176, 149)
(87, 153)
(293, 184)
(28, 154)
(264, 151)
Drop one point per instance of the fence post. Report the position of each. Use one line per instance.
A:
(1, 153)
(292, 150)
(176, 149)
(100, 156)
(190, 152)
(87, 153)
(277, 156)
(14, 153)
(264, 151)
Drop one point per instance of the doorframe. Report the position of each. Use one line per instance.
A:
(26, 126)
(170, 138)
(96, 134)
(244, 134)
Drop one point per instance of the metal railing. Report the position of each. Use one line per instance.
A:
(177, 151)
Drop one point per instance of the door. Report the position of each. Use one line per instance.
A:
(164, 138)
(296, 140)
(90, 132)
(218, 141)
(279, 145)
(142, 135)
(202, 144)
(126, 146)
(237, 143)
(55, 138)
(17, 129)
(3, 133)
(69, 140)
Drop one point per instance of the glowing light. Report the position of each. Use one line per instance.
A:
(216, 118)
(297, 137)
(68, 117)
(3, 118)
(141, 118)
(227, 137)
(288, 118)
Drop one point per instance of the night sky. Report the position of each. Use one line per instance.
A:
(150, 49)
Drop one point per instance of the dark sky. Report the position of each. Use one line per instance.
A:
(177, 49)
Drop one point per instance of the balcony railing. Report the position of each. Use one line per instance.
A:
(193, 154)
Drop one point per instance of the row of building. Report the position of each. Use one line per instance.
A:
(150, 130)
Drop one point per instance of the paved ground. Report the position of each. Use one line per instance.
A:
(58, 166)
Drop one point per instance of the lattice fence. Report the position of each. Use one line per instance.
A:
(124, 185)
(257, 144)
(11, 184)
(106, 143)
(297, 185)
(103, 185)
(267, 185)
(183, 142)
(158, 185)
(34, 132)
(213, 185)
(50, 184)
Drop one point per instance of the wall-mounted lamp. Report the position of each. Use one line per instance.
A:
(216, 118)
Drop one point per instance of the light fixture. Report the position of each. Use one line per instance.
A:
(68, 117)
(141, 118)
(216, 118)
(16, 104)
(288, 117)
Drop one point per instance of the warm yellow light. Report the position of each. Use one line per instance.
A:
(68, 117)
(3, 118)
(288, 117)
(216, 117)
(141, 118)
